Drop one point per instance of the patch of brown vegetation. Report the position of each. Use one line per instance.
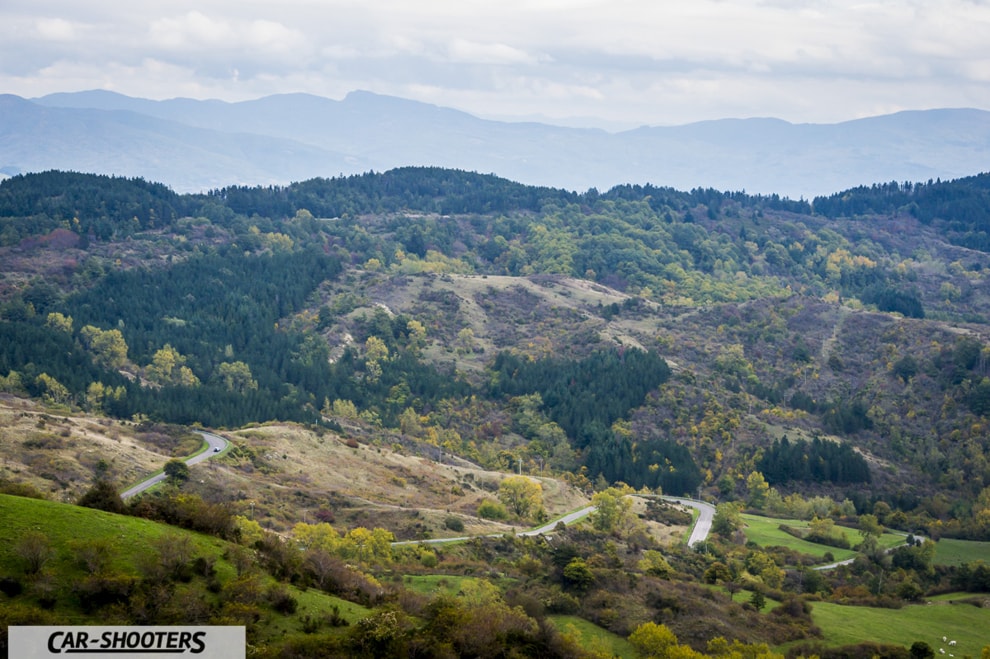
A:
(291, 474)
(59, 452)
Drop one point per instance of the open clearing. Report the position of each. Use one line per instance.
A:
(968, 625)
(59, 452)
(765, 531)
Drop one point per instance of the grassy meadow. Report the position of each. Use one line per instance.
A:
(968, 625)
(133, 543)
(594, 637)
(765, 532)
(949, 551)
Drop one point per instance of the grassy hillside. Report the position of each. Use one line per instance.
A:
(68, 564)
(964, 623)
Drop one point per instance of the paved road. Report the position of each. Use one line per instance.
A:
(215, 442)
(849, 561)
(706, 513)
(701, 529)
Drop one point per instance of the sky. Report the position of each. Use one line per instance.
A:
(618, 63)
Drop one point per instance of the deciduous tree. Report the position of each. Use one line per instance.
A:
(522, 495)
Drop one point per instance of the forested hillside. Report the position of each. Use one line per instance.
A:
(661, 338)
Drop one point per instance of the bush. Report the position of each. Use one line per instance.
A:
(454, 524)
(489, 509)
(281, 600)
(428, 559)
(10, 586)
(97, 591)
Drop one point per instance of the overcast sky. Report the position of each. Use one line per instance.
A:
(632, 62)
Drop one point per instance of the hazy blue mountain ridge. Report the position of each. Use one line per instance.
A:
(195, 145)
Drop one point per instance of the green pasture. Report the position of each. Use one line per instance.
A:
(312, 603)
(765, 532)
(67, 526)
(742, 597)
(132, 540)
(959, 597)
(435, 584)
(949, 551)
(968, 625)
(593, 637)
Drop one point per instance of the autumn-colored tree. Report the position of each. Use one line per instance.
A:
(98, 394)
(168, 368)
(59, 322)
(758, 488)
(653, 641)
(522, 495)
(320, 536)
(612, 509)
(417, 335)
(654, 563)
(236, 377)
(869, 526)
(108, 348)
(53, 390)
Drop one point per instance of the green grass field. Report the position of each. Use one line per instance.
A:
(764, 531)
(432, 584)
(66, 526)
(949, 551)
(315, 604)
(968, 625)
(132, 539)
(594, 637)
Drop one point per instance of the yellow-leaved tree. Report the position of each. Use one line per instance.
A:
(522, 495)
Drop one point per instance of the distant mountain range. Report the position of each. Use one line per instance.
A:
(194, 145)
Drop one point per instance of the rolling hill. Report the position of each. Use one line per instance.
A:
(426, 352)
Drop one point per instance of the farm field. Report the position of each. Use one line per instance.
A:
(949, 551)
(968, 625)
(765, 531)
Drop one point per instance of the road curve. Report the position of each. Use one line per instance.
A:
(215, 442)
(706, 513)
(909, 539)
(698, 534)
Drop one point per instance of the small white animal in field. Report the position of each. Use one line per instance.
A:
(941, 651)
(952, 642)
(944, 639)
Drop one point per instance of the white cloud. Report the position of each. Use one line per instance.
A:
(461, 50)
(195, 31)
(637, 61)
(55, 29)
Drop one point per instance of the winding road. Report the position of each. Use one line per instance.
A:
(699, 533)
(706, 513)
(215, 443)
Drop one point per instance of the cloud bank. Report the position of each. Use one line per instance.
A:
(625, 61)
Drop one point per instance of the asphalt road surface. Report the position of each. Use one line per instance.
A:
(216, 444)
(698, 534)
(706, 513)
